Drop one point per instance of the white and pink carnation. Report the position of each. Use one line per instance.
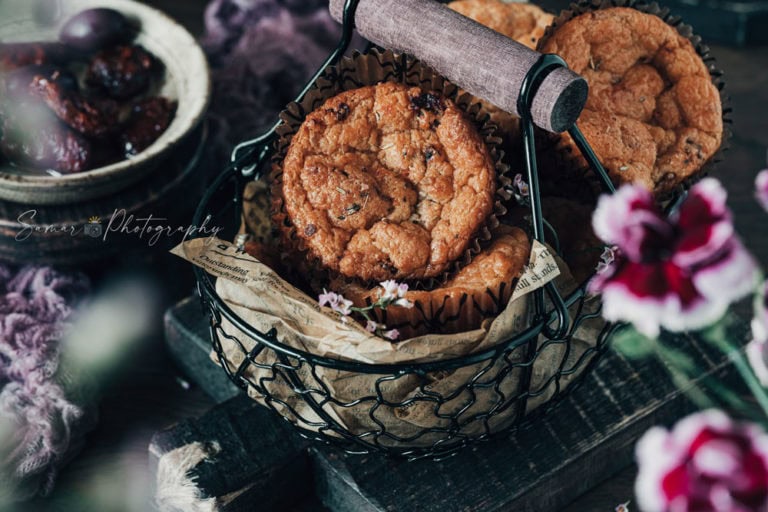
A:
(706, 463)
(757, 349)
(678, 273)
(761, 189)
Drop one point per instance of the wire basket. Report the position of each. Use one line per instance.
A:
(492, 391)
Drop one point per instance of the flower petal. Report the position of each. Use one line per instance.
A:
(649, 296)
(630, 219)
(760, 320)
(729, 278)
(392, 335)
(656, 456)
(756, 352)
(707, 463)
(704, 223)
(404, 303)
(345, 306)
(761, 189)
(325, 298)
(391, 288)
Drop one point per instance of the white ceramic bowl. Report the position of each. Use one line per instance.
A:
(187, 80)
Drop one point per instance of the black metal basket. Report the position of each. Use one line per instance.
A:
(491, 391)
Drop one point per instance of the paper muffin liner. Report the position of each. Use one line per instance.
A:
(264, 301)
(452, 312)
(444, 310)
(569, 158)
(373, 68)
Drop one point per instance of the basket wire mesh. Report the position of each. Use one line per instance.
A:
(499, 387)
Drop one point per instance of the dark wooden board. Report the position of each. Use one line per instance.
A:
(542, 466)
(185, 329)
(258, 462)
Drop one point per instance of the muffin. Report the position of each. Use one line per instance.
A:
(653, 115)
(525, 23)
(478, 291)
(384, 182)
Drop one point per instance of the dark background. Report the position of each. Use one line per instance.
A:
(150, 396)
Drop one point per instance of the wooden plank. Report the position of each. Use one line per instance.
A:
(188, 341)
(250, 461)
(542, 466)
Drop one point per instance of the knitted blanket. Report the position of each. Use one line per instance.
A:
(39, 422)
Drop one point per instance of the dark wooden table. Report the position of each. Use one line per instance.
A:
(150, 396)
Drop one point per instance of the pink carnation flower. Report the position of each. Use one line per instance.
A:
(707, 463)
(761, 189)
(679, 273)
(757, 350)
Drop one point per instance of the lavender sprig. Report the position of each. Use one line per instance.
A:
(394, 295)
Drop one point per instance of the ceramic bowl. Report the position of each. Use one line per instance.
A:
(187, 80)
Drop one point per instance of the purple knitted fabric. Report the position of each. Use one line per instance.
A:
(35, 303)
(262, 52)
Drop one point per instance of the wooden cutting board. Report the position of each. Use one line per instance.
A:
(259, 462)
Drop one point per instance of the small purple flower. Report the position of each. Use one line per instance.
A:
(393, 335)
(521, 187)
(707, 463)
(680, 272)
(394, 293)
(606, 259)
(326, 298)
(372, 326)
(403, 303)
(336, 302)
(761, 189)
(392, 290)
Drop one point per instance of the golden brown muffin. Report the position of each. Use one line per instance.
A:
(653, 115)
(385, 182)
(525, 23)
(478, 291)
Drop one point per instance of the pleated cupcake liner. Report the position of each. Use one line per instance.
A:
(372, 68)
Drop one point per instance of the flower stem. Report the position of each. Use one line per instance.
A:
(671, 357)
(718, 337)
